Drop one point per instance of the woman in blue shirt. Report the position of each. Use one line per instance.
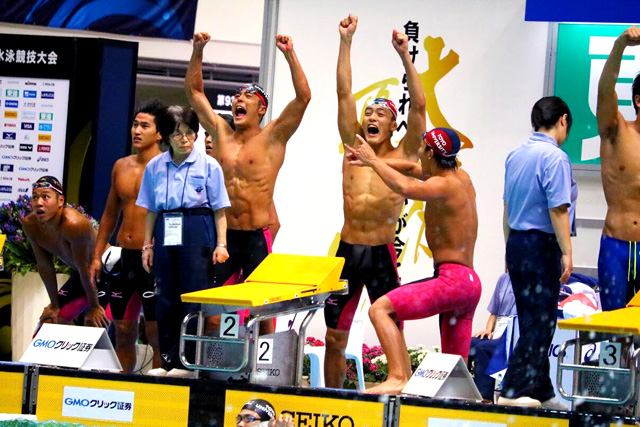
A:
(184, 194)
(539, 198)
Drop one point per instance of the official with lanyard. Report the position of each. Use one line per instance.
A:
(186, 228)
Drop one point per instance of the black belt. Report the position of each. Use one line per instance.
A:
(191, 211)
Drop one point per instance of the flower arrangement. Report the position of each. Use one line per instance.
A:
(18, 254)
(374, 362)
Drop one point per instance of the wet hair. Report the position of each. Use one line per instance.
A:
(547, 111)
(153, 107)
(443, 162)
(635, 91)
(171, 117)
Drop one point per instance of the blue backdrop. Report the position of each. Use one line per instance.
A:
(174, 19)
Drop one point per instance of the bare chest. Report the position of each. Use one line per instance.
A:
(127, 184)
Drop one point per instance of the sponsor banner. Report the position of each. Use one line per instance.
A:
(98, 404)
(11, 104)
(11, 385)
(26, 147)
(10, 125)
(411, 416)
(47, 95)
(45, 127)
(44, 137)
(30, 94)
(28, 115)
(6, 189)
(43, 159)
(15, 157)
(11, 136)
(10, 114)
(29, 104)
(4, 167)
(44, 148)
(310, 411)
(12, 93)
(7, 146)
(152, 404)
(24, 179)
(27, 126)
(46, 116)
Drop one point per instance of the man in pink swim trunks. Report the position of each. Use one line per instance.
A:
(451, 228)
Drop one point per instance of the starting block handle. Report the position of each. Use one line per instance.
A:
(576, 367)
(200, 338)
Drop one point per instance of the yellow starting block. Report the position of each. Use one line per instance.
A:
(621, 324)
(280, 285)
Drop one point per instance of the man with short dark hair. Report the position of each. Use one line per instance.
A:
(54, 229)
(451, 229)
(371, 209)
(250, 157)
(620, 170)
(131, 287)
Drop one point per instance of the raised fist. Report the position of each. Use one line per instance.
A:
(284, 43)
(348, 26)
(200, 40)
(400, 41)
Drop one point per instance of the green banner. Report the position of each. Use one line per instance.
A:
(582, 52)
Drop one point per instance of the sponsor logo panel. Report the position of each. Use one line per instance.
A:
(10, 114)
(44, 148)
(27, 126)
(46, 116)
(47, 95)
(10, 103)
(43, 137)
(6, 189)
(26, 147)
(4, 167)
(28, 115)
(11, 136)
(12, 93)
(45, 127)
(29, 94)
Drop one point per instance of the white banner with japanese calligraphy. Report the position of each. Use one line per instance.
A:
(33, 117)
(482, 69)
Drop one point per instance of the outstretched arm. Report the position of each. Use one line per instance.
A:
(194, 87)
(416, 190)
(290, 118)
(607, 109)
(107, 225)
(348, 124)
(416, 121)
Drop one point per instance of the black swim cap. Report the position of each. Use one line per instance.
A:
(49, 181)
(261, 407)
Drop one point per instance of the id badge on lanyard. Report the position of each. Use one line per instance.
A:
(173, 228)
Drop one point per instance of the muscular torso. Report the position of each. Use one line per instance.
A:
(620, 169)
(250, 170)
(371, 208)
(55, 241)
(127, 179)
(451, 223)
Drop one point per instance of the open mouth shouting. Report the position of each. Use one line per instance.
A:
(240, 111)
(372, 130)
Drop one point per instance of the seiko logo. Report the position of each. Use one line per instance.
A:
(44, 148)
(9, 135)
(26, 147)
(47, 95)
(30, 94)
(43, 159)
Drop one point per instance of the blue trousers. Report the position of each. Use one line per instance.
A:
(481, 351)
(178, 270)
(533, 260)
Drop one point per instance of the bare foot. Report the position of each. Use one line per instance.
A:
(390, 386)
